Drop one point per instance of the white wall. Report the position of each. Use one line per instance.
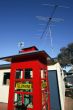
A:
(4, 89)
(61, 84)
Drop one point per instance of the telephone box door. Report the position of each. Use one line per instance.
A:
(23, 89)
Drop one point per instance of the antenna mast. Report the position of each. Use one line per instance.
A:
(49, 21)
(51, 17)
(51, 39)
(20, 44)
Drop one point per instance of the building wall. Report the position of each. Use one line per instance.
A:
(4, 89)
(61, 84)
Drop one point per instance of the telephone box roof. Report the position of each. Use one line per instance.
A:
(42, 54)
(29, 53)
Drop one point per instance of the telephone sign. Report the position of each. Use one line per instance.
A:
(23, 86)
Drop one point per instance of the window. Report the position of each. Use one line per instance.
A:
(28, 74)
(18, 74)
(18, 99)
(43, 73)
(24, 74)
(23, 99)
(28, 101)
(6, 79)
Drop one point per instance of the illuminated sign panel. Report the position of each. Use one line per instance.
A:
(23, 86)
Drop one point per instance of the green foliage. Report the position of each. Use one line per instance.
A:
(65, 57)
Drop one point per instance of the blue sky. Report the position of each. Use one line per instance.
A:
(18, 22)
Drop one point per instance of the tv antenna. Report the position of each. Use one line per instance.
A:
(48, 29)
(20, 44)
(51, 38)
(45, 19)
(52, 5)
(49, 20)
(52, 14)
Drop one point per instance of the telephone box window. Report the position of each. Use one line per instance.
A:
(28, 74)
(28, 101)
(45, 107)
(18, 99)
(25, 100)
(43, 73)
(6, 79)
(18, 74)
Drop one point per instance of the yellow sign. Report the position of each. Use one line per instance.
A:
(44, 84)
(23, 86)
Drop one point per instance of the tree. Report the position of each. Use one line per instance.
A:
(65, 57)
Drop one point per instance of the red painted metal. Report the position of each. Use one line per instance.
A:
(36, 64)
(30, 49)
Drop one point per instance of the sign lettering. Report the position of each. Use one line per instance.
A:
(23, 86)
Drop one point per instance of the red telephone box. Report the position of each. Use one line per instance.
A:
(29, 86)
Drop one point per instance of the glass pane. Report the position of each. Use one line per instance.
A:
(45, 107)
(28, 101)
(28, 74)
(18, 74)
(6, 79)
(43, 73)
(43, 99)
(18, 99)
(43, 84)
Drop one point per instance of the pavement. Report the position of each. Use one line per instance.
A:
(3, 106)
(69, 99)
(68, 103)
